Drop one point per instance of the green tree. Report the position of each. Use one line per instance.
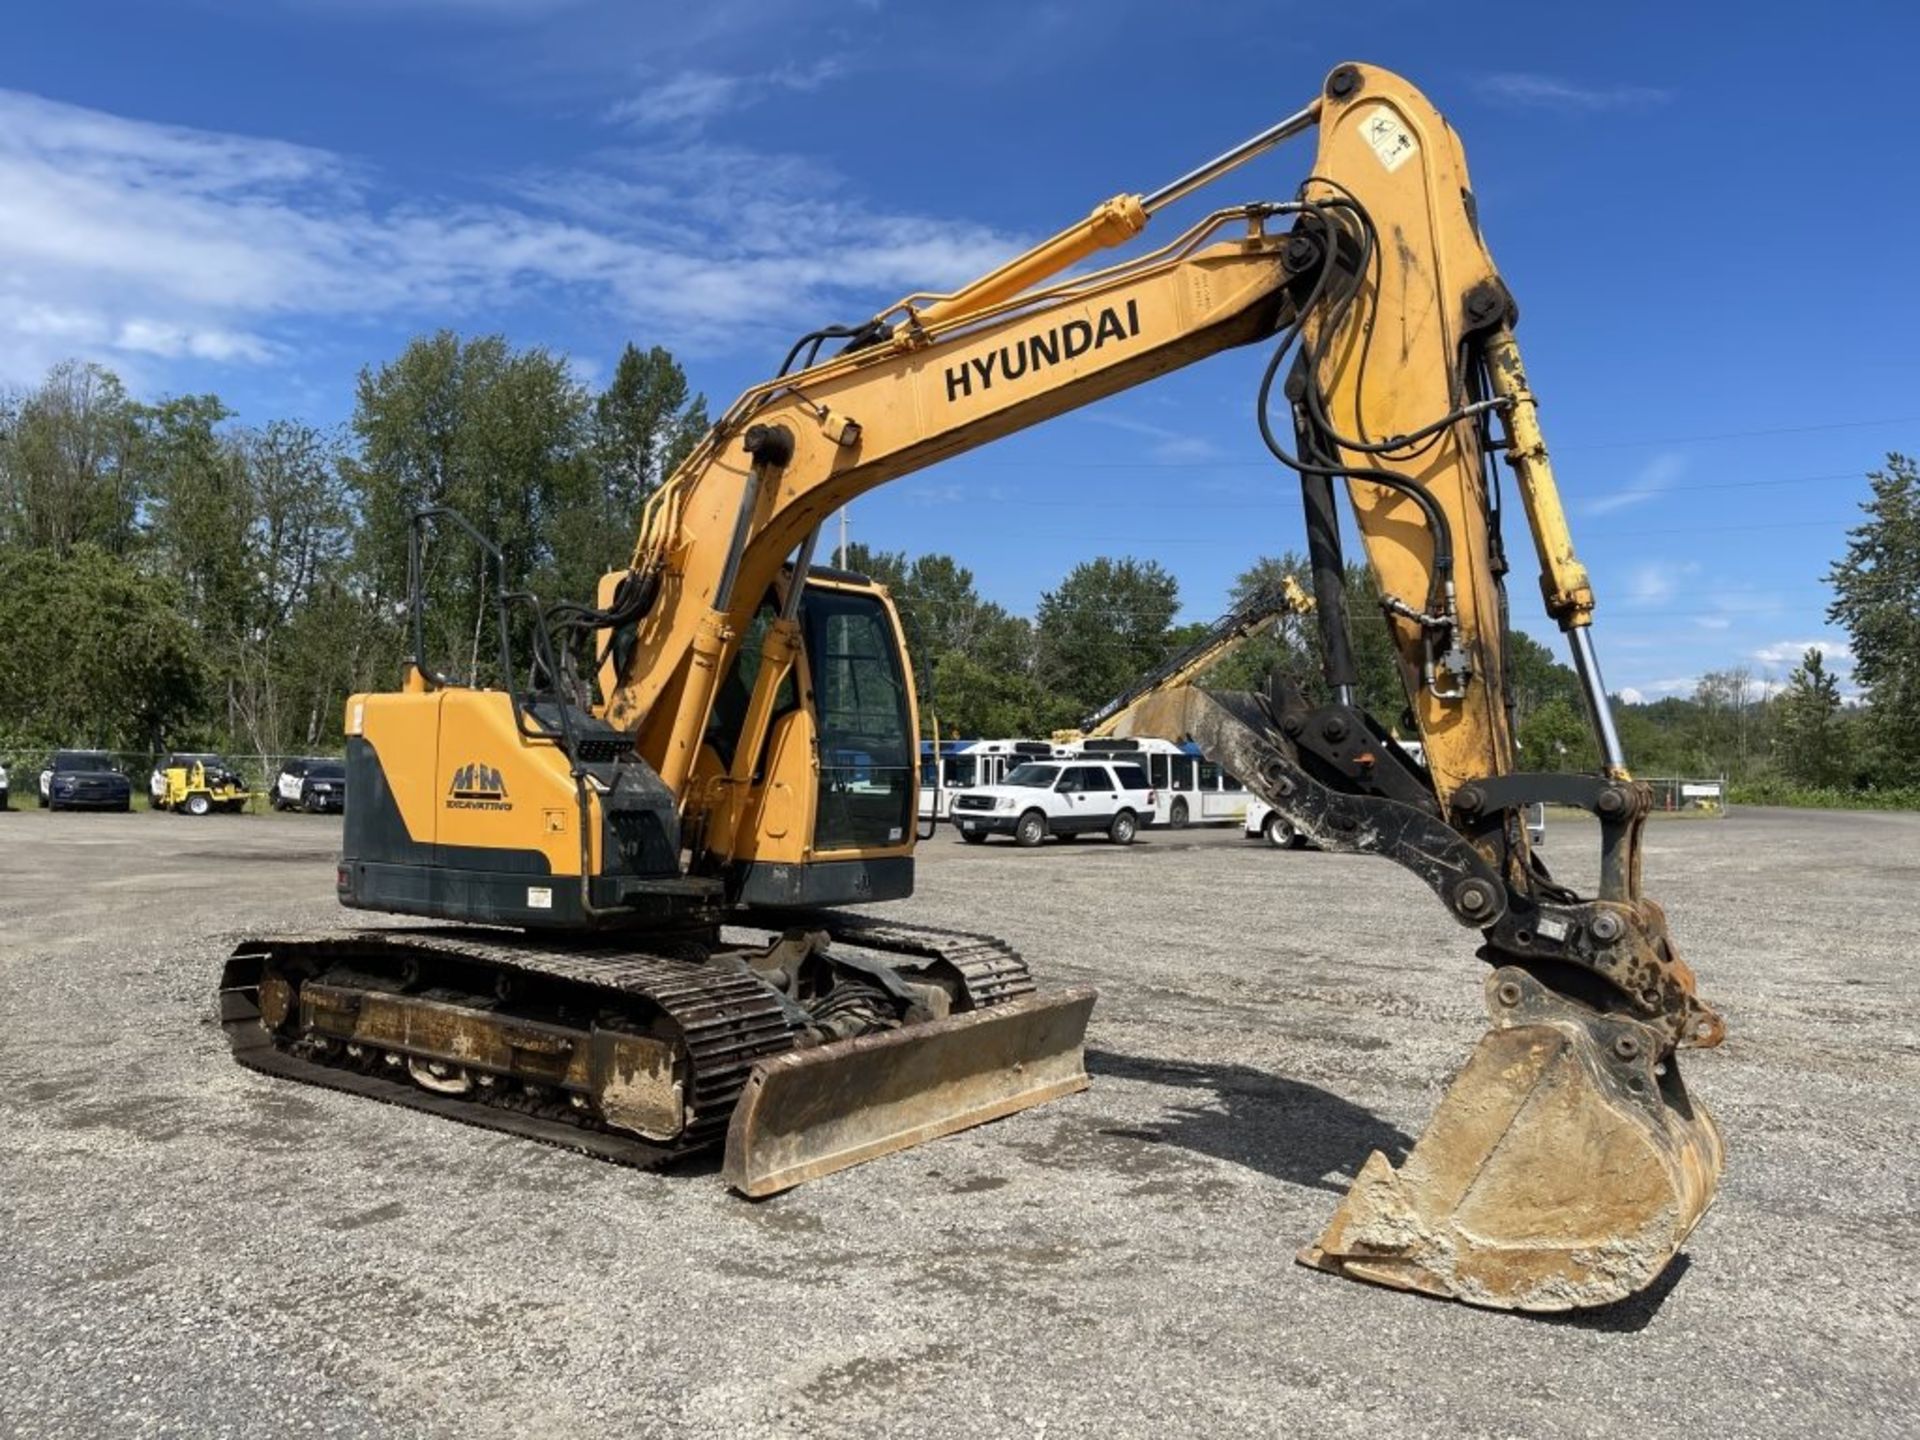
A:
(1556, 736)
(1810, 738)
(93, 651)
(1877, 599)
(958, 639)
(306, 630)
(644, 424)
(499, 435)
(1106, 624)
(640, 428)
(977, 700)
(70, 463)
(198, 512)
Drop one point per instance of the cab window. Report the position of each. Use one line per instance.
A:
(866, 790)
(730, 702)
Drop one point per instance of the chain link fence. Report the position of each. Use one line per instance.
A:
(257, 772)
(1690, 794)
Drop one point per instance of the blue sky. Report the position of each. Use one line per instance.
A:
(1705, 211)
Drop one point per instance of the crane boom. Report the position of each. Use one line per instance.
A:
(1256, 614)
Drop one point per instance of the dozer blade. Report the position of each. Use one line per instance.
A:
(808, 1113)
(1564, 1168)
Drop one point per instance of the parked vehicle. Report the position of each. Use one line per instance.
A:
(4, 796)
(312, 783)
(199, 785)
(1188, 788)
(1266, 823)
(1064, 798)
(219, 772)
(965, 764)
(1263, 822)
(84, 780)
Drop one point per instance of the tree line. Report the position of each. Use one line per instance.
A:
(173, 578)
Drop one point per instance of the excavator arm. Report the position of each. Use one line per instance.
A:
(1255, 615)
(754, 716)
(1396, 378)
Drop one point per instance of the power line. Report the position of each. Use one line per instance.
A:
(1139, 542)
(1285, 496)
(1575, 448)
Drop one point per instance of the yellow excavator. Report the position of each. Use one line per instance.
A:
(1258, 613)
(639, 945)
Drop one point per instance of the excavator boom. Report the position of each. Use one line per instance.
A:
(751, 758)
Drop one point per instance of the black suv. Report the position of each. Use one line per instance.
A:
(84, 780)
(311, 783)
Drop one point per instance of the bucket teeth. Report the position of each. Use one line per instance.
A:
(1564, 1168)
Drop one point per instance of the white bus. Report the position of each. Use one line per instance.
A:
(963, 764)
(1188, 789)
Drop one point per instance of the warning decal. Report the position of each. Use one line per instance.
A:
(1390, 140)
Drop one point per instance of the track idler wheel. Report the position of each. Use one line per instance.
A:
(1565, 1167)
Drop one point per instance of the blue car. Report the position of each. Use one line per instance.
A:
(84, 780)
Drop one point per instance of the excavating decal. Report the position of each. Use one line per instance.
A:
(477, 787)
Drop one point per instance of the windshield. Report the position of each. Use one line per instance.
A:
(328, 771)
(1033, 777)
(82, 760)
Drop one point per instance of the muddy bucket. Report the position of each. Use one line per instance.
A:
(1565, 1167)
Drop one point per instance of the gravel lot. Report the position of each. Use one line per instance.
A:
(191, 1249)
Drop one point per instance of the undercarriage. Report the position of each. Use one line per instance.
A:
(641, 1053)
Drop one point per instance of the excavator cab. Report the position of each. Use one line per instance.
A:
(822, 811)
(541, 815)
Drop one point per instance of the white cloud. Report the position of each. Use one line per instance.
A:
(693, 97)
(1674, 685)
(1792, 652)
(1713, 622)
(1648, 483)
(1170, 447)
(122, 237)
(1630, 695)
(1658, 581)
(1550, 92)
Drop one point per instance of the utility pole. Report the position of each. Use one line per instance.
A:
(841, 561)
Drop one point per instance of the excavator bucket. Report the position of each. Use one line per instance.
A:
(1564, 1168)
(807, 1113)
